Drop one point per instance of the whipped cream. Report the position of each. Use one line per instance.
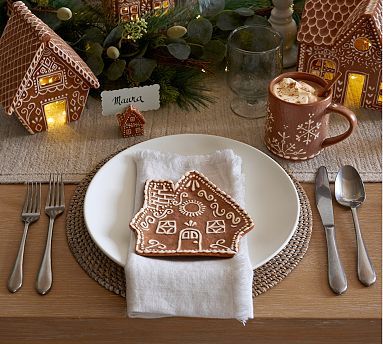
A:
(293, 91)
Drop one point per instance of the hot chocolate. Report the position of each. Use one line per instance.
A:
(297, 91)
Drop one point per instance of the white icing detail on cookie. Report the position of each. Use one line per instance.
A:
(182, 196)
(160, 215)
(235, 220)
(215, 226)
(147, 221)
(203, 193)
(166, 227)
(216, 211)
(192, 208)
(219, 243)
(193, 183)
(155, 243)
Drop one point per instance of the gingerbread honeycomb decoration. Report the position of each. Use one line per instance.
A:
(344, 36)
(191, 218)
(43, 81)
(131, 122)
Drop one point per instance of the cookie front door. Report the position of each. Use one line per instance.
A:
(189, 240)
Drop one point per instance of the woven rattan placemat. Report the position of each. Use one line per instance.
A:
(112, 277)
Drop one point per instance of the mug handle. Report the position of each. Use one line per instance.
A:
(351, 118)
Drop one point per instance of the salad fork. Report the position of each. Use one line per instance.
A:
(29, 214)
(54, 207)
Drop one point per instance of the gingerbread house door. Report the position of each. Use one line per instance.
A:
(190, 239)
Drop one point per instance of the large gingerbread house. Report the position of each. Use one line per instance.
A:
(344, 36)
(126, 10)
(192, 217)
(42, 79)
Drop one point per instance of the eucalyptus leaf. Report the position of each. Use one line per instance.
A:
(196, 50)
(200, 30)
(211, 7)
(214, 51)
(94, 49)
(228, 20)
(116, 69)
(50, 19)
(94, 34)
(95, 63)
(244, 11)
(114, 35)
(257, 20)
(141, 68)
(179, 50)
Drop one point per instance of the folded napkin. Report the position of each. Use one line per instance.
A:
(211, 287)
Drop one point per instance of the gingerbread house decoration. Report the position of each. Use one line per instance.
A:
(131, 122)
(43, 81)
(192, 217)
(127, 10)
(344, 36)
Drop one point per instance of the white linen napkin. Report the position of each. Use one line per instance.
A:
(211, 287)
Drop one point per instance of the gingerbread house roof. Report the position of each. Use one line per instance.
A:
(23, 41)
(131, 111)
(324, 22)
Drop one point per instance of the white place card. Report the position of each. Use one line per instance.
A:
(143, 98)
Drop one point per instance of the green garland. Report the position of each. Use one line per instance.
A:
(175, 49)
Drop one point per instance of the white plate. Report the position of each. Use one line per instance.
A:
(271, 198)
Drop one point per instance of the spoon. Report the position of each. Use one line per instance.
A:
(324, 90)
(349, 192)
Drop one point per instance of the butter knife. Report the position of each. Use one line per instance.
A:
(336, 275)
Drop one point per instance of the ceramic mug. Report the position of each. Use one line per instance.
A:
(300, 131)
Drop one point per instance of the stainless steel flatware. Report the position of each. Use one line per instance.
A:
(336, 275)
(29, 214)
(349, 192)
(54, 207)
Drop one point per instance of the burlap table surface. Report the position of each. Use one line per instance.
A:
(112, 276)
(76, 148)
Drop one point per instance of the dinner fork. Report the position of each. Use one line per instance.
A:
(29, 214)
(54, 207)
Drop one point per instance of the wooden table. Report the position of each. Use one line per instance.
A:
(301, 309)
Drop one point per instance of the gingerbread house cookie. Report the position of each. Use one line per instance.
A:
(190, 218)
(131, 122)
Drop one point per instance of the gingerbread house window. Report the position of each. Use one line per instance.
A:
(50, 80)
(354, 89)
(215, 226)
(166, 227)
(362, 44)
(165, 4)
(134, 9)
(157, 5)
(324, 68)
(134, 16)
(380, 94)
(124, 11)
(55, 112)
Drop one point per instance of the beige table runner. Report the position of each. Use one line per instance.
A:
(75, 149)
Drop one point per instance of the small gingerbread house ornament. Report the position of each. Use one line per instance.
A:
(43, 80)
(127, 10)
(131, 122)
(344, 36)
(191, 217)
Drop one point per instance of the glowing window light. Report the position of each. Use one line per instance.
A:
(165, 4)
(354, 91)
(50, 80)
(55, 113)
(380, 94)
(362, 44)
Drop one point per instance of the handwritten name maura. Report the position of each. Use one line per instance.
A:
(119, 100)
(144, 98)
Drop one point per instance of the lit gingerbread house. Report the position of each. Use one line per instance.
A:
(344, 36)
(191, 217)
(131, 122)
(126, 10)
(42, 80)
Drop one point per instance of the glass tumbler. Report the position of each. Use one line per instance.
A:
(254, 59)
